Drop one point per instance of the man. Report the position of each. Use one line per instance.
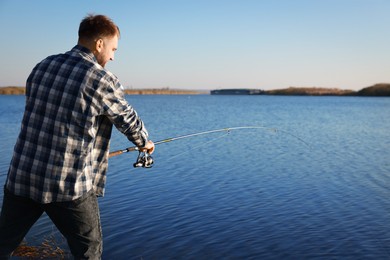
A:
(61, 156)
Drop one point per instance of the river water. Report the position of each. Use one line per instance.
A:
(318, 188)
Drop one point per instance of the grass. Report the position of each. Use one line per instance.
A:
(48, 249)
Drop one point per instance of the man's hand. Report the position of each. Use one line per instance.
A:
(149, 147)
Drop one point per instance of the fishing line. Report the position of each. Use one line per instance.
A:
(295, 136)
(200, 145)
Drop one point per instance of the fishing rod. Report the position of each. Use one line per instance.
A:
(135, 148)
(146, 161)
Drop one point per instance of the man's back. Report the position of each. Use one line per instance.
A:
(52, 158)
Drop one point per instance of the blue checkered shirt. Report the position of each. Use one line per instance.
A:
(62, 150)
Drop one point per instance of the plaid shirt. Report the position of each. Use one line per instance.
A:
(62, 150)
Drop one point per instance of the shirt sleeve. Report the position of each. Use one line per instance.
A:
(123, 115)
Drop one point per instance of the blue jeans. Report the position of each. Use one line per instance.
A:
(78, 221)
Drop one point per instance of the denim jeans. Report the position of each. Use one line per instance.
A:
(78, 221)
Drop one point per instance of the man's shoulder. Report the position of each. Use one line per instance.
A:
(58, 59)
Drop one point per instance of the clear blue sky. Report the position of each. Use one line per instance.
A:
(208, 44)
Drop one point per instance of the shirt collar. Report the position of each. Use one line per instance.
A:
(84, 52)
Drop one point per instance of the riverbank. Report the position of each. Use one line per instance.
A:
(378, 90)
(163, 91)
(12, 90)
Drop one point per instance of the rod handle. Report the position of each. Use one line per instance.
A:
(119, 152)
(115, 153)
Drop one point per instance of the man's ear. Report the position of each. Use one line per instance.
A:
(99, 45)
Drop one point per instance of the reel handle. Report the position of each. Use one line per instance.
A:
(144, 160)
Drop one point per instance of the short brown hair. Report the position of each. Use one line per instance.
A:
(97, 26)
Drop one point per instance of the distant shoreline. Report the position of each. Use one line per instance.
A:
(163, 91)
(378, 90)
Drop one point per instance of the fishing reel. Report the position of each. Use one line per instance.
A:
(144, 160)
